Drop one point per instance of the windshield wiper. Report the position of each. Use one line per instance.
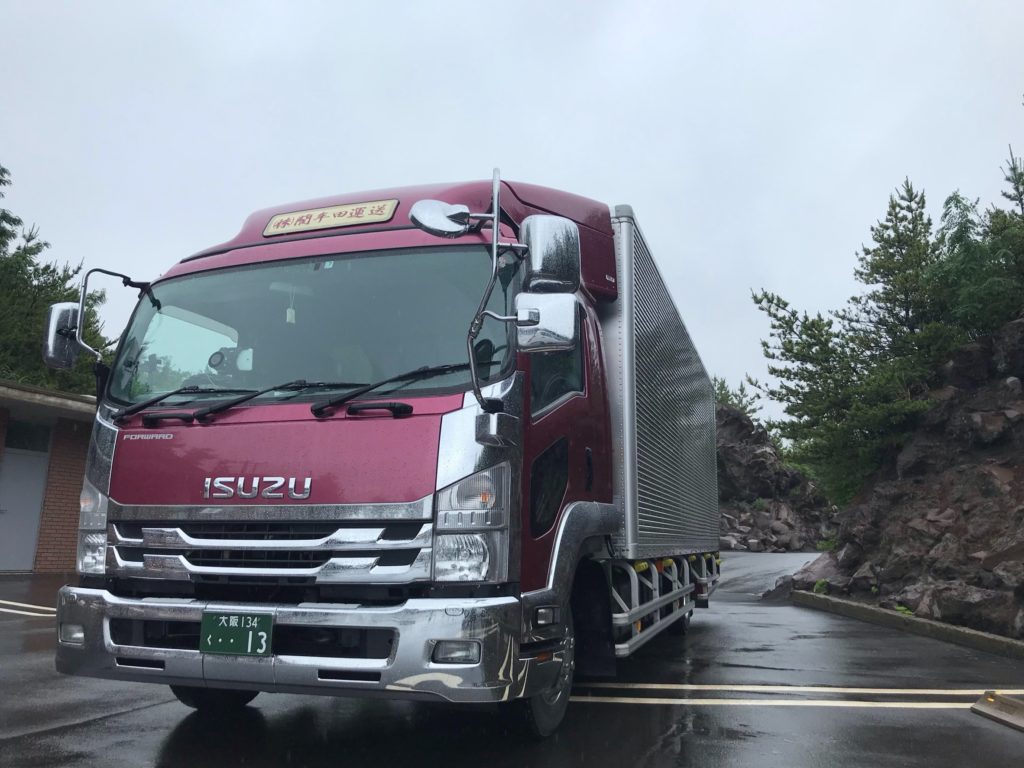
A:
(300, 385)
(323, 385)
(427, 371)
(190, 390)
(209, 410)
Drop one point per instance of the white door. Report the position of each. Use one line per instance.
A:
(22, 485)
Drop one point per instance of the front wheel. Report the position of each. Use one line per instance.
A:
(541, 714)
(213, 699)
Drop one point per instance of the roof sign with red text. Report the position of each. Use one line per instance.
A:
(373, 212)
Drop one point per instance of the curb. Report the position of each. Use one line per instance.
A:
(1008, 710)
(950, 633)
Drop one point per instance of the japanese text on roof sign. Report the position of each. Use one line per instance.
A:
(373, 212)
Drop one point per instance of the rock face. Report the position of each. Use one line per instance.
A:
(766, 506)
(940, 531)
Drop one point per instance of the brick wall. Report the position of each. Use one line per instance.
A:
(58, 527)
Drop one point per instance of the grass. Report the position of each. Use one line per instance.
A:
(821, 587)
(827, 545)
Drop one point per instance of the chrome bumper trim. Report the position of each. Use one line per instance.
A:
(409, 673)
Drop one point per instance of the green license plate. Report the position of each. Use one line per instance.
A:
(238, 634)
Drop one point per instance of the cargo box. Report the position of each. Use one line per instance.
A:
(662, 412)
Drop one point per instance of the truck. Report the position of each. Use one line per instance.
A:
(441, 443)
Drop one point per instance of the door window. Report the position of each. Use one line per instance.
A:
(553, 375)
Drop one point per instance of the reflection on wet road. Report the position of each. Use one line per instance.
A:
(753, 683)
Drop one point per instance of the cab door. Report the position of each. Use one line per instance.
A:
(565, 446)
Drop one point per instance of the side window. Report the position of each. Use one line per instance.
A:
(555, 374)
(27, 436)
(549, 477)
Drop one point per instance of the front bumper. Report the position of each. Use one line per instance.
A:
(501, 675)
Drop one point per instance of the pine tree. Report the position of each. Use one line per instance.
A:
(1014, 176)
(741, 398)
(895, 270)
(28, 286)
(812, 364)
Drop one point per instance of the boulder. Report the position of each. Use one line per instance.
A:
(986, 428)
(863, 579)
(969, 365)
(958, 603)
(824, 568)
(782, 590)
(916, 458)
(1008, 350)
(849, 556)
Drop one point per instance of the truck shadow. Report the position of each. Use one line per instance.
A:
(366, 733)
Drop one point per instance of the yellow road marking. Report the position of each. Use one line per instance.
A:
(806, 689)
(27, 613)
(776, 703)
(28, 605)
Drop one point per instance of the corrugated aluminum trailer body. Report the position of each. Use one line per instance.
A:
(662, 410)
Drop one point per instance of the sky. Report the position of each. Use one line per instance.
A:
(756, 141)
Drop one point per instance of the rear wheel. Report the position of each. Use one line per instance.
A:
(541, 714)
(212, 699)
(680, 626)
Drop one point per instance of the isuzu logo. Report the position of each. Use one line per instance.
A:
(251, 487)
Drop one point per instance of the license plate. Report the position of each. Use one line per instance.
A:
(238, 634)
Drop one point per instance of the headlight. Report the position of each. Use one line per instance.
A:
(471, 556)
(92, 531)
(476, 512)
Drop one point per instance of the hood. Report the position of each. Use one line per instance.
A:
(281, 454)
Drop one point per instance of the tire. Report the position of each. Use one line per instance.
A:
(213, 700)
(681, 626)
(540, 715)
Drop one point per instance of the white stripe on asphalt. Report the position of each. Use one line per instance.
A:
(26, 613)
(806, 689)
(776, 703)
(28, 605)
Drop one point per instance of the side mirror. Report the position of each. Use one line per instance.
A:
(547, 322)
(440, 219)
(60, 348)
(553, 246)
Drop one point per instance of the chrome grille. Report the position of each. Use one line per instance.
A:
(238, 545)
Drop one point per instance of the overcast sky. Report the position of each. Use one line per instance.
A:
(756, 141)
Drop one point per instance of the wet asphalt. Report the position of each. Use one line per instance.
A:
(694, 701)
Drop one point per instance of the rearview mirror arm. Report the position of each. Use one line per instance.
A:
(144, 289)
(497, 248)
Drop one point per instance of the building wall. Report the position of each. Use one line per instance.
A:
(58, 527)
(4, 418)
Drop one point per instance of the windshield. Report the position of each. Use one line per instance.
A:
(350, 318)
